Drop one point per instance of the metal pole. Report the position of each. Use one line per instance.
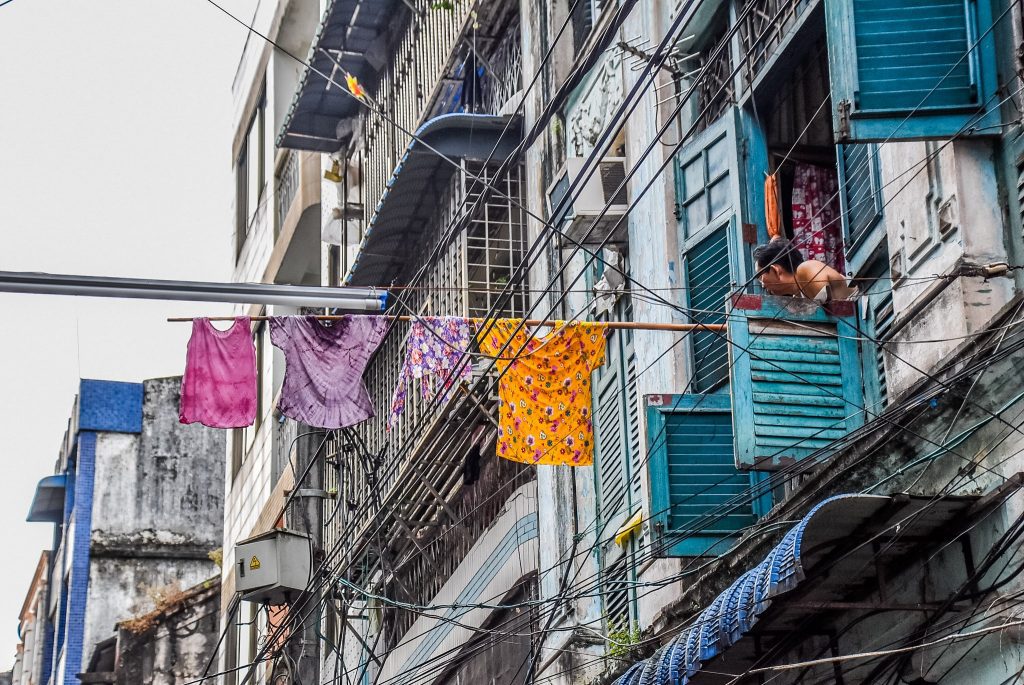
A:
(350, 299)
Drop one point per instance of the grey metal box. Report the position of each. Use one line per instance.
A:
(273, 567)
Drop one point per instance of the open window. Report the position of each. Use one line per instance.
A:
(797, 378)
(911, 69)
(700, 501)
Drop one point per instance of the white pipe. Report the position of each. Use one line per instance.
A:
(348, 298)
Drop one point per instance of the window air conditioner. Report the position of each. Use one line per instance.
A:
(579, 219)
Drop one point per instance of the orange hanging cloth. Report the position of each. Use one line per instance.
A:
(772, 212)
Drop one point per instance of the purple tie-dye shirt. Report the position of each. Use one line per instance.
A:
(323, 378)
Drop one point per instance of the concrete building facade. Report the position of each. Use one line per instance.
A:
(136, 503)
(447, 182)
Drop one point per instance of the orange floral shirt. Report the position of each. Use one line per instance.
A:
(544, 394)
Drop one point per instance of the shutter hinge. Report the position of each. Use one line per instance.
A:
(844, 121)
(750, 234)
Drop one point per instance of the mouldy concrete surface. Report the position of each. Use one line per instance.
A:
(163, 487)
(158, 507)
(172, 644)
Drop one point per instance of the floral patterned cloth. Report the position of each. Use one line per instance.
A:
(817, 231)
(544, 393)
(436, 345)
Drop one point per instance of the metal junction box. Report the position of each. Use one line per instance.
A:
(274, 567)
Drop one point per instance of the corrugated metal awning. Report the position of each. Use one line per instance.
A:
(48, 502)
(411, 197)
(350, 39)
(825, 539)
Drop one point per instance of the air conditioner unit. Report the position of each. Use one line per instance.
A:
(273, 568)
(585, 218)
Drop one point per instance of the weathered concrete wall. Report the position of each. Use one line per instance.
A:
(158, 508)
(176, 649)
(163, 487)
(121, 588)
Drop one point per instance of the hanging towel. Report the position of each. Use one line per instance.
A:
(544, 393)
(219, 386)
(817, 231)
(435, 347)
(323, 375)
(772, 210)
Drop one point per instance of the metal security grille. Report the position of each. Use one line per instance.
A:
(464, 278)
(764, 25)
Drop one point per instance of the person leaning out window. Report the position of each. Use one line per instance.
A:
(782, 270)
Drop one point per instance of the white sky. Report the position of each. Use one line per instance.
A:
(114, 160)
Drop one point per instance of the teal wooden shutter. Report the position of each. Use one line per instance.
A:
(617, 479)
(708, 283)
(880, 316)
(796, 384)
(710, 207)
(699, 499)
(1014, 154)
(861, 202)
(910, 69)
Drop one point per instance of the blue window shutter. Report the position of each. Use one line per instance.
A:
(911, 69)
(1015, 154)
(861, 201)
(796, 385)
(699, 500)
(708, 283)
(715, 231)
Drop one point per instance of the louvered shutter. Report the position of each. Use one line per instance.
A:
(699, 499)
(616, 437)
(1015, 148)
(910, 69)
(710, 208)
(708, 283)
(796, 384)
(861, 200)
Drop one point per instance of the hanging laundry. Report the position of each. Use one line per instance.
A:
(219, 386)
(435, 347)
(817, 231)
(545, 393)
(772, 210)
(323, 376)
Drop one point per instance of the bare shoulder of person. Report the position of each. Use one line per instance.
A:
(813, 270)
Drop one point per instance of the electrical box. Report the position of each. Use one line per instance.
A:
(273, 568)
(597, 208)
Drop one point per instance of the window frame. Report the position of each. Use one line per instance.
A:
(244, 213)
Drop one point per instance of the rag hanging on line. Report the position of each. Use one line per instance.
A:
(434, 348)
(218, 388)
(323, 376)
(544, 395)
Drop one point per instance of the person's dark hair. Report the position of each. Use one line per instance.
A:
(781, 252)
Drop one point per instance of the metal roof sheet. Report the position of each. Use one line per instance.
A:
(410, 198)
(824, 531)
(48, 503)
(349, 39)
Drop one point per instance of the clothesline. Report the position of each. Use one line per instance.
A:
(615, 325)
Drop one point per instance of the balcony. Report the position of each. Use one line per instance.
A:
(295, 258)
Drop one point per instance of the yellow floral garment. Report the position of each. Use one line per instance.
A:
(544, 395)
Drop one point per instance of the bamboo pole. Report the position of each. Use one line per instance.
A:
(614, 325)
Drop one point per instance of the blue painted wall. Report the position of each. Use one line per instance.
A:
(108, 406)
